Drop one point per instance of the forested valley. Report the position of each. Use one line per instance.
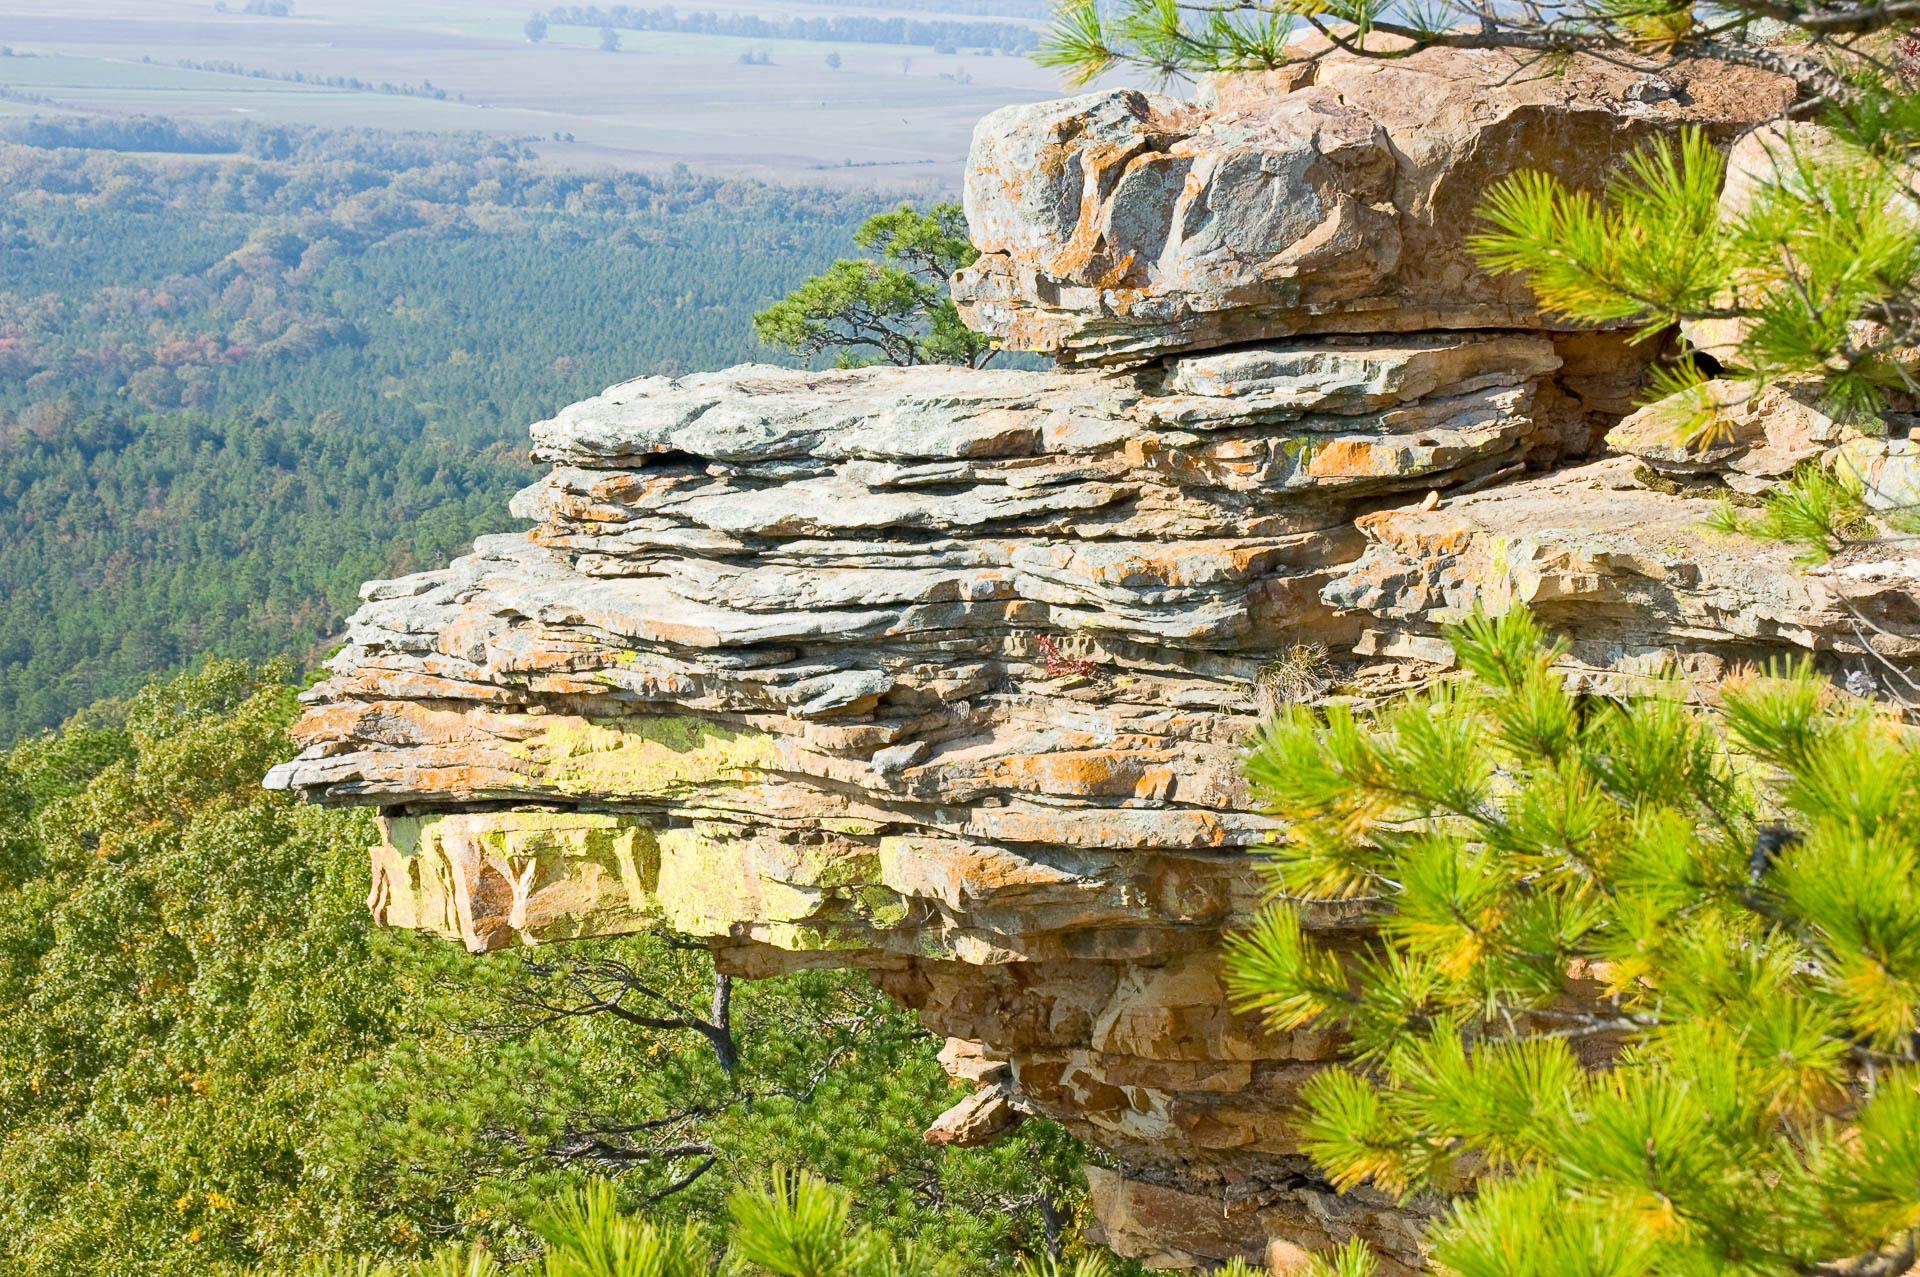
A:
(242, 371)
(212, 1062)
(1187, 749)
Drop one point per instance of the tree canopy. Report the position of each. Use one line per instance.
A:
(246, 369)
(211, 1061)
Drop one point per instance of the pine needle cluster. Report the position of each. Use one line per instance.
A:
(1819, 273)
(789, 1225)
(1819, 509)
(1644, 981)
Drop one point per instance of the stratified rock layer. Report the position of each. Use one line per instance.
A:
(1336, 196)
(946, 674)
(1633, 577)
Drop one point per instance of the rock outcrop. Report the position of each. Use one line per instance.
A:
(945, 674)
(1634, 578)
(1338, 196)
(1749, 439)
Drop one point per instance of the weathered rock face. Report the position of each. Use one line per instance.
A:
(1749, 439)
(1633, 577)
(942, 674)
(1118, 226)
(946, 674)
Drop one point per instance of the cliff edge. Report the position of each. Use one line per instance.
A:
(945, 674)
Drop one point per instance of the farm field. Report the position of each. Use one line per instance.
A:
(888, 116)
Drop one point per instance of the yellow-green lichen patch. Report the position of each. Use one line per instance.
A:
(794, 902)
(715, 881)
(647, 758)
(851, 826)
(824, 864)
(411, 892)
(806, 939)
(707, 885)
(884, 909)
(1501, 571)
(499, 878)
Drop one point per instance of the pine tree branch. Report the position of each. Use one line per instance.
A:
(592, 1148)
(686, 1181)
(586, 976)
(1851, 19)
(1580, 31)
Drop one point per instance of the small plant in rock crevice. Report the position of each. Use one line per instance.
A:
(1300, 676)
(1822, 509)
(1059, 665)
(1819, 509)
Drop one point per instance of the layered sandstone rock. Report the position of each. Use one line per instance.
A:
(946, 674)
(1634, 578)
(1338, 196)
(937, 673)
(1747, 438)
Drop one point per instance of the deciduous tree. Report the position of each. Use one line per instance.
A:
(211, 1061)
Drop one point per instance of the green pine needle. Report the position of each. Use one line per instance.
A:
(1721, 908)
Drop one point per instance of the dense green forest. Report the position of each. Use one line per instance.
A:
(242, 371)
(211, 1061)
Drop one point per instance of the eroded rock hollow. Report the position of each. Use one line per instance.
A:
(945, 674)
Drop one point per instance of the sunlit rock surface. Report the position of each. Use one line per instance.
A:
(1118, 226)
(947, 674)
(1749, 439)
(1632, 577)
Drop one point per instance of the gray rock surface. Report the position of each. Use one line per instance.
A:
(1747, 438)
(1337, 197)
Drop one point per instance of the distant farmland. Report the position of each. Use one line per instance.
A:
(887, 115)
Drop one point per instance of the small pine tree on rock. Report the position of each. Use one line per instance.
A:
(896, 309)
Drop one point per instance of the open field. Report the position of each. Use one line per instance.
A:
(890, 115)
